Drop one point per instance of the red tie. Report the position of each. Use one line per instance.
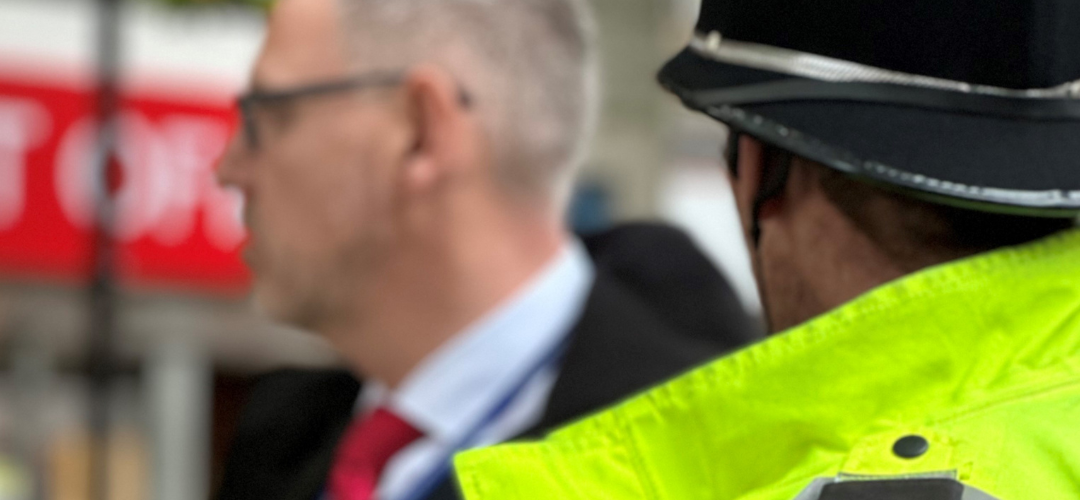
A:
(368, 444)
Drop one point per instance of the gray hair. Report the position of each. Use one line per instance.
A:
(528, 65)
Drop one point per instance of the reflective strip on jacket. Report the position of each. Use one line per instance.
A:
(980, 357)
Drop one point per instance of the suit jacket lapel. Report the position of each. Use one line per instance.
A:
(603, 363)
(288, 434)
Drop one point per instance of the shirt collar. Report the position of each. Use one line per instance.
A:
(455, 387)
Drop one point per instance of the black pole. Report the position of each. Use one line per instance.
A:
(102, 288)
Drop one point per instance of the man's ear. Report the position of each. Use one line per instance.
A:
(440, 126)
(747, 184)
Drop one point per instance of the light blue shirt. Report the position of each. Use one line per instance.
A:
(455, 388)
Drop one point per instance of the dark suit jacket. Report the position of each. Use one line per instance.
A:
(657, 308)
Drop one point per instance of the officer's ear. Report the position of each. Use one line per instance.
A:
(745, 174)
(759, 186)
(442, 127)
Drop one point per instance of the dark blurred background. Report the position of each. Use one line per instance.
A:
(182, 343)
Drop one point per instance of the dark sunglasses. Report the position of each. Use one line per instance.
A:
(250, 101)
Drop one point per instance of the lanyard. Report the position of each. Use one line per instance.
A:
(442, 470)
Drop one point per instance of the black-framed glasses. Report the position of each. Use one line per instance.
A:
(248, 102)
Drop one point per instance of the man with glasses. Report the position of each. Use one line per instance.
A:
(406, 166)
(908, 176)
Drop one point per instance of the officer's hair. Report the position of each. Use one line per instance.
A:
(917, 234)
(528, 66)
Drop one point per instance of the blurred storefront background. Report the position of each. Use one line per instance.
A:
(187, 343)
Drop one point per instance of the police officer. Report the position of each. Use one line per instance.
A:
(908, 175)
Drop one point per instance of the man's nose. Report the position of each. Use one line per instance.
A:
(231, 168)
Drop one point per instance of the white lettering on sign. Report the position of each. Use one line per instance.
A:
(24, 124)
(145, 190)
(167, 179)
(74, 174)
(195, 144)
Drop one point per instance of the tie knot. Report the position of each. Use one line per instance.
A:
(366, 447)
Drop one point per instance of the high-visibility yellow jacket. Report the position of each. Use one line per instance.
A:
(979, 359)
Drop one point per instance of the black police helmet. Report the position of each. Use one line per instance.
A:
(970, 103)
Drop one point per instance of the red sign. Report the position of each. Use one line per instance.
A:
(174, 226)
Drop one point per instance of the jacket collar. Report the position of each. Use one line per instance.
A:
(835, 394)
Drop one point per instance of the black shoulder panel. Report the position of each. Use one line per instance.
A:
(903, 489)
